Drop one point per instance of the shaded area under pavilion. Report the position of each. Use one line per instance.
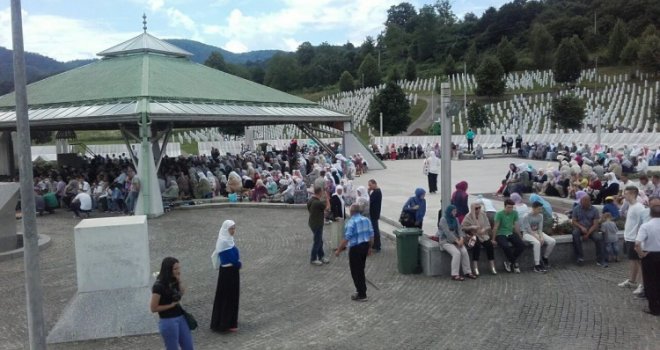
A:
(146, 87)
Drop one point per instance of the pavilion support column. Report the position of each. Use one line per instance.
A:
(7, 159)
(149, 202)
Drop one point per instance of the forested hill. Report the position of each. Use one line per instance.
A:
(521, 35)
(39, 66)
(431, 41)
(202, 51)
(36, 67)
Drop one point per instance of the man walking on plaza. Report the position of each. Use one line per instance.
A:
(359, 236)
(316, 208)
(470, 140)
(647, 245)
(506, 234)
(634, 219)
(585, 219)
(375, 204)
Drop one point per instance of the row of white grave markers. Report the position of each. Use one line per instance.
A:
(529, 80)
(621, 107)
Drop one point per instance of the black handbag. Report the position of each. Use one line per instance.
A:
(190, 319)
(407, 218)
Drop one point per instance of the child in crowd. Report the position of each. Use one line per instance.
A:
(611, 208)
(609, 229)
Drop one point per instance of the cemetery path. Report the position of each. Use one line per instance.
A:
(425, 119)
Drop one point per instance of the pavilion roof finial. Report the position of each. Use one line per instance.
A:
(144, 22)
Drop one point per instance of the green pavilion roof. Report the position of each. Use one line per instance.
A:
(146, 74)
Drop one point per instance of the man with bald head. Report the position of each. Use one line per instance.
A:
(585, 220)
(359, 236)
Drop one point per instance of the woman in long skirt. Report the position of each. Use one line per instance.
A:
(226, 259)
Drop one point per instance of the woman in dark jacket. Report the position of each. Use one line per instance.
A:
(460, 200)
(415, 207)
(337, 206)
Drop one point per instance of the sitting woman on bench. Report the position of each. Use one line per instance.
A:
(453, 240)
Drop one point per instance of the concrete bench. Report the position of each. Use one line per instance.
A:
(436, 262)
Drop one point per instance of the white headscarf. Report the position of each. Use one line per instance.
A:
(225, 241)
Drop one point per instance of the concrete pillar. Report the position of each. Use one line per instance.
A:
(7, 158)
(149, 201)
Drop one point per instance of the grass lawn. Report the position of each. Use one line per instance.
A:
(418, 109)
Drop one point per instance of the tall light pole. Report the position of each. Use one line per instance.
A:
(381, 128)
(34, 294)
(445, 161)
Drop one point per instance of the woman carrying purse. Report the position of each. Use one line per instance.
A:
(477, 225)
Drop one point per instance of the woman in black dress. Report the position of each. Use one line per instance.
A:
(226, 258)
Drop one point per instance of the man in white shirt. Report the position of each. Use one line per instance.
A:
(647, 246)
(82, 202)
(634, 218)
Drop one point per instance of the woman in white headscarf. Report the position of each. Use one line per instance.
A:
(226, 259)
(362, 200)
(234, 183)
(337, 214)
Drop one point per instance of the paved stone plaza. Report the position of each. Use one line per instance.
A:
(288, 304)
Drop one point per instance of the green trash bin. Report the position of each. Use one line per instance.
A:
(407, 250)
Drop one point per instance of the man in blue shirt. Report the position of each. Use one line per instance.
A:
(359, 236)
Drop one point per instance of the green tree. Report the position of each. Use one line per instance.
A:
(217, 61)
(506, 54)
(472, 58)
(41, 136)
(568, 112)
(237, 130)
(478, 116)
(394, 74)
(542, 46)
(446, 16)
(568, 66)
(368, 72)
(392, 102)
(305, 53)
(282, 72)
(450, 66)
(402, 15)
(346, 82)
(618, 40)
(649, 30)
(490, 77)
(411, 70)
(582, 51)
(425, 36)
(649, 53)
(629, 53)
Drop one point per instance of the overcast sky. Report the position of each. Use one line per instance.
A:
(75, 29)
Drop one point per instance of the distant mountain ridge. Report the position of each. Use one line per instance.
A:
(38, 66)
(202, 51)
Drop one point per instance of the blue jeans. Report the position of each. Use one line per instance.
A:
(131, 199)
(597, 237)
(317, 246)
(175, 333)
(612, 249)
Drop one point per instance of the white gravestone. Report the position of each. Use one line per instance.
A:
(113, 273)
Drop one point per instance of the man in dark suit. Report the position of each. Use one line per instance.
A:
(375, 202)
